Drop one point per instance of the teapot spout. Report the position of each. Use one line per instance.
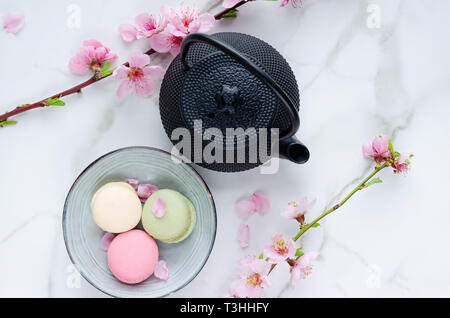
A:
(292, 149)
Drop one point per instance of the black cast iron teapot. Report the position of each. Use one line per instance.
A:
(229, 91)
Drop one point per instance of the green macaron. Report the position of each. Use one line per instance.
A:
(178, 220)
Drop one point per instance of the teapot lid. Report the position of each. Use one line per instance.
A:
(223, 94)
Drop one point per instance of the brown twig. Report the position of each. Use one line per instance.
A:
(94, 79)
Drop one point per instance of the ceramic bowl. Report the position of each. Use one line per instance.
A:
(149, 165)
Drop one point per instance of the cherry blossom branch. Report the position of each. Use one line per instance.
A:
(47, 101)
(363, 185)
(253, 274)
(54, 100)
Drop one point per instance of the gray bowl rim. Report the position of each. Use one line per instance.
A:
(127, 149)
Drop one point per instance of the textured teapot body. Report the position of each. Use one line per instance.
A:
(235, 96)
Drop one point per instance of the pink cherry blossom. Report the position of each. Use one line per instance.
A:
(161, 271)
(258, 204)
(230, 3)
(297, 210)
(146, 26)
(91, 56)
(279, 250)
(166, 43)
(13, 22)
(244, 236)
(184, 20)
(402, 163)
(144, 191)
(181, 21)
(294, 3)
(302, 267)
(139, 76)
(253, 278)
(106, 241)
(133, 182)
(378, 149)
(159, 207)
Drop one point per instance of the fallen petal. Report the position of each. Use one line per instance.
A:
(261, 202)
(245, 208)
(144, 191)
(106, 241)
(159, 207)
(244, 236)
(133, 182)
(13, 22)
(161, 271)
(128, 32)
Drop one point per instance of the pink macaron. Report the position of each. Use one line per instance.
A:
(133, 256)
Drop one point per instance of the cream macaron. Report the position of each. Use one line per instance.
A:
(116, 208)
(178, 220)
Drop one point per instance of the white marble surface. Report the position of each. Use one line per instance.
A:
(355, 82)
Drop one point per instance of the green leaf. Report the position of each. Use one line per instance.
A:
(299, 252)
(374, 181)
(5, 122)
(55, 102)
(231, 14)
(105, 66)
(261, 256)
(315, 225)
(391, 147)
(105, 71)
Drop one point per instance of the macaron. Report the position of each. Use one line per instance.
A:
(178, 220)
(133, 256)
(116, 208)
